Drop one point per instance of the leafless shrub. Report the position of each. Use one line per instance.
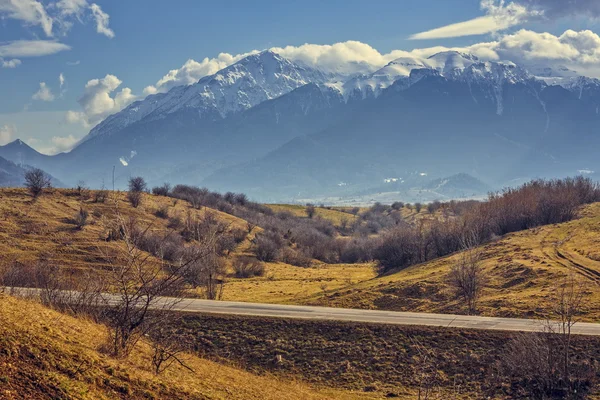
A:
(247, 267)
(295, 257)
(310, 210)
(468, 278)
(36, 181)
(81, 218)
(101, 195)
(267, 246)
(137, 186)
(162, 212)
(163, 190)
(166, 351)
(543, 365)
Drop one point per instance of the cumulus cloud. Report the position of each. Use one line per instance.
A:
(101, 19)
(61, 144)
(7, 134)
(501, 15)
(31, 12)
(44, 93)
(31, 48)
(100, 100)
(14, 63)
(61, 14)
(61, 80)
(193, 70)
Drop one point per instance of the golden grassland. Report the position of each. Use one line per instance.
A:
(32, 228)
(524, 267)
(524, 270)
(334, 214)
(45, 354)
(288, 284)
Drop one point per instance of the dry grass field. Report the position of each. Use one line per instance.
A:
(45, 354)
(524, 269)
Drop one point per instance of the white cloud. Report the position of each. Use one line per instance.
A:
(71, 7)
(193, 70)
(61, 14)
(31, 12)
(7, 133)
(97, 102)
(502, 14)
(44, 93)
(73, 63)
(31, 48)
(14, 63)
(101, 19)
(499, 16)
(61, 144)
(61, 80)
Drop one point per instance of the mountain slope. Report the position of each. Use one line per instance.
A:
(493, 121)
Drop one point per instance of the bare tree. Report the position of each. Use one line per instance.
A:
(467, 276)
(310, 210)
(166, 351)
(141, 282)
(426, 371)
(36, 181)
(137, 185)
(567, 300)
(541, 365)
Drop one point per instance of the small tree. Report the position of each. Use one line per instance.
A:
(36, 181)
(165, 350)
(468, 278)
(146, 287)
(137, 185)
(418, 207)
(541, 365)
(310, 210)
(163, 190)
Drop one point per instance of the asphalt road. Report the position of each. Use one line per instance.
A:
(372, 316)
(353, 315)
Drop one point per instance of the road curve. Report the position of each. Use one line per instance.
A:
(344, 314)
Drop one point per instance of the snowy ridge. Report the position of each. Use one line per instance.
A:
(267, 75)
(240, 86)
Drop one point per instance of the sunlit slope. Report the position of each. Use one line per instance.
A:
(524, 269)
(45, 354)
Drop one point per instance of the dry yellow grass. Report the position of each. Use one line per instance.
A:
(524, 269)
(32, 228)
(287, 284)
(45, 354)
(334, 214)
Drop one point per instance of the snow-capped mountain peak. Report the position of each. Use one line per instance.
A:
(238, 87)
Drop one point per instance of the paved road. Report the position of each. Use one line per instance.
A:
(372, 316)
(354, 315)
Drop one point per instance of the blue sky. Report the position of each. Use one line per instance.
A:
(139, 41)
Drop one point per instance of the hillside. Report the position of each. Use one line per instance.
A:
(45, 354)
(523, 268)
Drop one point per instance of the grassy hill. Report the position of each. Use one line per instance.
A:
(45, 354)
(523, 267)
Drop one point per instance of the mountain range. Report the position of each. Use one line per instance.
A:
(280, 130)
